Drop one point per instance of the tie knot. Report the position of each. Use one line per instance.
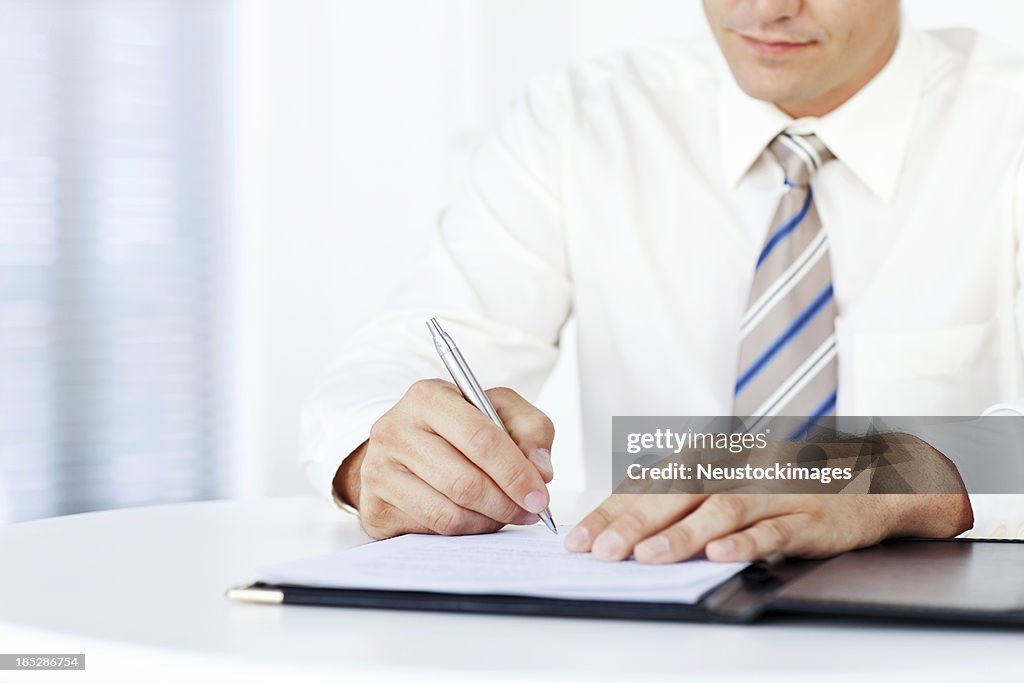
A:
(800, 156)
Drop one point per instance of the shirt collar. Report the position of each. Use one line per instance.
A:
(869, 133)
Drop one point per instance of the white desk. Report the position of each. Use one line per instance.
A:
(143, 590)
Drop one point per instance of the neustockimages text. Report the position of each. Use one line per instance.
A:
(774, 472)
(664, 440)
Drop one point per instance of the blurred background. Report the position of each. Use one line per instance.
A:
(200, 198)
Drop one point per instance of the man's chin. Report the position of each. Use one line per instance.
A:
(769, 88)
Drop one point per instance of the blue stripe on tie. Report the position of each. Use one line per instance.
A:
(783, 339)
(786, 229)
(821, 411)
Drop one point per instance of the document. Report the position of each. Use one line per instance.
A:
(526, 561)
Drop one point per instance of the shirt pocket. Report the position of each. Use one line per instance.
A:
(951, 370)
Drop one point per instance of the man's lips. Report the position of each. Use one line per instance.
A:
(770, 46)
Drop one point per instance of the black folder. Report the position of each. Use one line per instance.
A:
(953, 580)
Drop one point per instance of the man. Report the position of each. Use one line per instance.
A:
(824, 222)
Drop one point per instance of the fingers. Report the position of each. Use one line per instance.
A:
(438, 464)
(381, 520)
(730, 527)
(647, 516)
(581, 538)
(530, 429)
(817, 526)
(485, 444)
(785, 534)
(430, 509)
(435, 463)
(717, 516)
(676, 527)
(622, 520)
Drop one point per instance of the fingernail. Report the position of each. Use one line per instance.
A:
(577, 540)
(535, 501)
(526, 519)
(608, 545)
(724, 548)
(653, 548)
(541, 458)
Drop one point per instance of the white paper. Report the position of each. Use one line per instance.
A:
(515, 561)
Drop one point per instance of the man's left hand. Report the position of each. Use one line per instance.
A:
(726, 527)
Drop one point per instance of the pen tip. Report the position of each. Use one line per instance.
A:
(545, 517)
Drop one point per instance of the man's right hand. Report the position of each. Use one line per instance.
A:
(436, 464)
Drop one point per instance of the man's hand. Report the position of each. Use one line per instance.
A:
(729, 527)
(436, 464)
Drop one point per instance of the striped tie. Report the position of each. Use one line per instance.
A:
(788, 363)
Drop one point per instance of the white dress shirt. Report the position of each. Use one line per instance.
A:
(634, 193)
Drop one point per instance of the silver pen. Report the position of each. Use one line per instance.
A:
(471, 389)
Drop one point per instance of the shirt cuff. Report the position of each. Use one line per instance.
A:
(997, 515)
(342, 505)
(1011, 408)
(328, 438)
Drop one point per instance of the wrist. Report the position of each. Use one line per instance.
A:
(936, 515)
(346, 479)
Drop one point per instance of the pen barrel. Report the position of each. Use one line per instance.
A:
(468, 385)
(471, 390)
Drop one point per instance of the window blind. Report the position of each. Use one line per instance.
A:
(112, 170)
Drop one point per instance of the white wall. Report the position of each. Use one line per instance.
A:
(355, 118)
